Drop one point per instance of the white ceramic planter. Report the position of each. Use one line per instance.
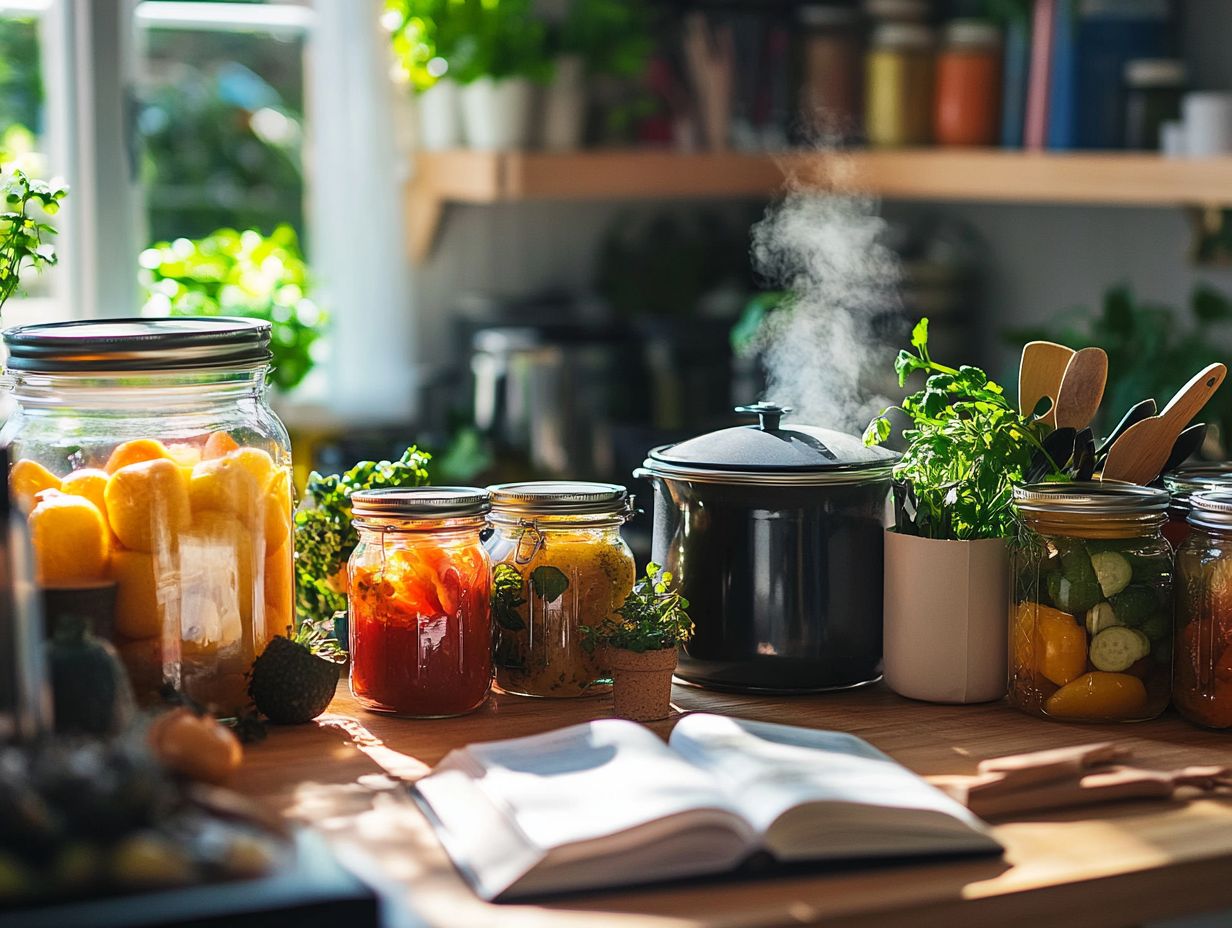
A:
(946, 618)
(564, 106)
(496, 113)
(440, 116)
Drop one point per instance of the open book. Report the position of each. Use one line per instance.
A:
(609, 804)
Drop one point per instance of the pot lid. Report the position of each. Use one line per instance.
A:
(775, 447)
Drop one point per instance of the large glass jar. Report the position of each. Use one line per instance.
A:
(559, 563)
(1091, 604)
(418, 586)
(1183, 484)
(1202, 670)
(146, 453)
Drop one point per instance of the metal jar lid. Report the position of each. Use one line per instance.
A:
(560, 498)
(1212, 510)
(138, 344)
(420, 503)
(772, 453)
(1094, 497)
(1184, 482)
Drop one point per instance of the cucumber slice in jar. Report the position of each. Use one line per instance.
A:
(1134, 604)
(1112, 570)
(1118, 648)
(1101, 616)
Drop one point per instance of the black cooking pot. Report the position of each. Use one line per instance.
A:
(774, 534)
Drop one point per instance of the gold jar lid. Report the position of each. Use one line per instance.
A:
(1093, 508)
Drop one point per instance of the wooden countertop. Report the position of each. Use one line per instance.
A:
(1115, 866)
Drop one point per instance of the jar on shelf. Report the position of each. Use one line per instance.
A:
(559, 562)
(1154, 88)
(418, 587)
(1091, 603)
(898, 85)
(967, 105)
(831, 64)
(1183, 484)
(146, 453)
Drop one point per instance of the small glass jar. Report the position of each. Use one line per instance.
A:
(898, 86)
(559, 563)
(831, 52)
(146, 453)
(967, 106)
(1184, 483)
(1091, 603)
(1202, 670)
(418, 587)
(1153, 91)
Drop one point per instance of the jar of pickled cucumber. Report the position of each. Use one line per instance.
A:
(559, 562)
(1183, 484)
(1091, 603)
(145, 452)
(1202, 670)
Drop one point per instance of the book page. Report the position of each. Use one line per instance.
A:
(588, 792)
(770, 769)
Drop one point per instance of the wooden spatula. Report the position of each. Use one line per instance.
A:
(1082, 389)
(1142, 451)
(1040, 374)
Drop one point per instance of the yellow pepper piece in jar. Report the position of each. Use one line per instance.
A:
(1049, 641)
(70, 539)
(89, 482)
(1099, 695)
(134, 452)
(28, 478)
(147, 503)
(138, 614)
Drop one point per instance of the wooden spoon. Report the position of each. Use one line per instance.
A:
(1040, 374)
(1142, 451)
(1082, 389)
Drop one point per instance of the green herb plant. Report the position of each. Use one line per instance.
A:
(611, 37)
(232, 273)
(324, 536)
(654, 616)
(966, 448)
(24, 236)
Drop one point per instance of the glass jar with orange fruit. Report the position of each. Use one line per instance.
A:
(145, 452)
(1091, 611)
(418, 593)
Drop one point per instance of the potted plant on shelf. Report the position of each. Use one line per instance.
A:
(640, 647)
(596, 40)
(422, 33)
(946, 558)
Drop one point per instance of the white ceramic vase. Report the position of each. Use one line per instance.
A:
(946, 618)
(440, 116)
(496, 113)
(564, 106)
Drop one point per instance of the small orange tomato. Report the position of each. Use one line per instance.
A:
(196, 746)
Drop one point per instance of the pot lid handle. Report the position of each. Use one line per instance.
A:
(770, 414)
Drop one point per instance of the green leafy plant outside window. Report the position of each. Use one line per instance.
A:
(232, 273)
(24, 235)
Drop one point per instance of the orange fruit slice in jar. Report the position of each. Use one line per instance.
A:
(139, 612)
(135, 452)
(70, 540)
(279, 592)
(218, 445)
(148, 504)
(27, 479)
(89, 482)
(222, 485)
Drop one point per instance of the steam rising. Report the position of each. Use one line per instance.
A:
(821, 348)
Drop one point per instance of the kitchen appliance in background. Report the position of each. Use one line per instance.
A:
(774, 534)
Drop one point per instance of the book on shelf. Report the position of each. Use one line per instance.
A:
(608, 804)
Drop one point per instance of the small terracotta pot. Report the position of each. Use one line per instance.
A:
(642, 683)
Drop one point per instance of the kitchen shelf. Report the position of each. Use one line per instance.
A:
(989, 175)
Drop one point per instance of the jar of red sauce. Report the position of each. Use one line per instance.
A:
(418, 596)
(967, 101)
(1183, 483)
(1202, 665)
